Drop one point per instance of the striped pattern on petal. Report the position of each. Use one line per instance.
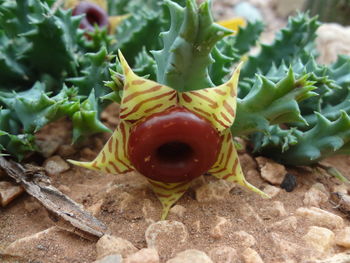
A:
(113, 157)
(168, 193)
(227, 166)
(217, 104)
(143, 97)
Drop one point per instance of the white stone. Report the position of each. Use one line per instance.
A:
(109, 245)
(8, 192)
(223, 254)
(145, 255)
(55, 165)
(271, 190)
(178, 210)
(277, 209)
(220, 227)
(191, 256)
(213, 191)
(251, 256)
(342, 238)
(342, 188)
(316, 195)
(332, 40)
(321, 217)
(110, 259)
(244, 239)
(271, 171)
(320, 238)
(337, 258)
(285, 247)
(289, 223)
(166, 236)
(21, 246)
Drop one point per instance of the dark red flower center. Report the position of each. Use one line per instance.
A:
(173, 146)
(94, 14)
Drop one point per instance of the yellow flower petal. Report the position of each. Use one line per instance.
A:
(143, 97)
(168, 193)
(217, 104)
(228, 167)
(73, 3)
(113, 157)
(233, 24)
(114, 21)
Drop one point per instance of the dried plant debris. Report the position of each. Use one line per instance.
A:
(341, 201)
(66, 213)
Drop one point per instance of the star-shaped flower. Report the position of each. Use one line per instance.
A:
(95, 13)
(173, 137)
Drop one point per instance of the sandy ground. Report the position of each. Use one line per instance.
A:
(273, 228)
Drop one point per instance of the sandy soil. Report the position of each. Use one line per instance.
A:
(127, 206)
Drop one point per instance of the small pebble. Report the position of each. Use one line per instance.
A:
(166, 236)
(145, 255)
(286, 248)
(316, 195)
(271, 190)
(8, 192)
(321, 217)
(191, 256)
(178, 210)
(251, 256)
(287, 224)
(277, 209)
(20, 247)
(342, 238)
(109, 245)
(223, 254)
(110, 259)
(220, 228)
(244, 239)
(337, 258)
(271, 171)
(322, 239)
(289, 182)
(55, 165)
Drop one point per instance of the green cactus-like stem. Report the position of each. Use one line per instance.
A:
(183, 62)
(327, 138)
(271, 103)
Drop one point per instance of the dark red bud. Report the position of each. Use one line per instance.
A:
(94, 14)
(173, 146)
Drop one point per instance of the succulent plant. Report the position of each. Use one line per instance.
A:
(162, 132)
(49, 70)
